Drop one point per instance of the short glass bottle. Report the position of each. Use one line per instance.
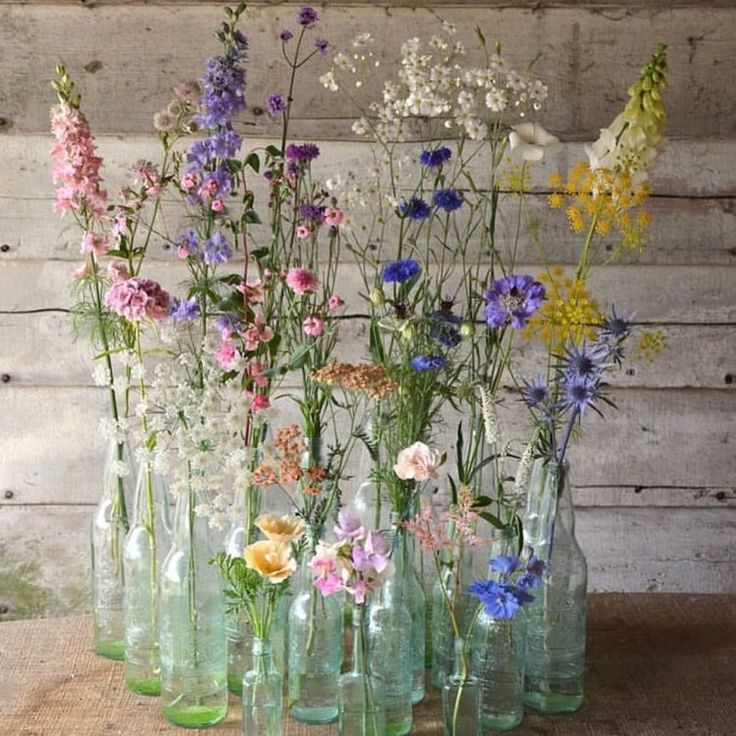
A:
(192, 624)
(107, 536)
(315, 627)
(461, 696)
(390, 657)
(556, 624)
(145, 548)
(361, 693)
(262, 693)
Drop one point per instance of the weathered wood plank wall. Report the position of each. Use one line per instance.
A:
(655, 483)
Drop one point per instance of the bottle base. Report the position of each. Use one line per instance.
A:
(398, 728)
(195, 716)
(315, 716)
(552, 704)
(144, 685)
(417, 696)
(235, 685)
(501, 722)
(110, 649)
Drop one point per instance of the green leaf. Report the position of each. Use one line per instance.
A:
(481, 501)
(259, 253)
(234, 165)
(254, 162)
(492, 519)
(251, 217)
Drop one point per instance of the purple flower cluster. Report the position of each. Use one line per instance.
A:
(300, 154)
(424, 363)
(184, 310)
(223, 90)
(311, 212)
(435, 158)
(275, 104)
(307, 16)
(398, 272)
(447, 199)
(512, 300)
(415, 209)
(515, 576)
(217, 249)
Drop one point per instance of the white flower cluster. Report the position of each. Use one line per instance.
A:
(433, 84)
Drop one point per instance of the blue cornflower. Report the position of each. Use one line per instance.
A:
(301, 153)
(535, 392)
(223, 91)
(184, 310)
(321, 45)
(186, 243)
(535, 567)
(505, 564)
(424, 363)
(435, 158)
(217, 249)
(400, 271)
(521, 594)
(498, 599)
(307, 16)
(286, 35)
(579, 392)
(513, 300)
(447, 199)
(415, 209)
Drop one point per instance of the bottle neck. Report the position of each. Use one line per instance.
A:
(360, 658)
(461, 659)
(262, 654)
(150, 497)
(187, 524)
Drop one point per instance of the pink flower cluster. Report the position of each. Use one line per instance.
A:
(136, 298)
(75, 165)
(302, 281)
(145, 175)
(357, 563)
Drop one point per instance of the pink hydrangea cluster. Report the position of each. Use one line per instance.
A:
(357, 563)
(137, 298)
(75, 165)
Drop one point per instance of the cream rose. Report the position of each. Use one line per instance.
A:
(270, 559)
(418, 462)
(281, 528)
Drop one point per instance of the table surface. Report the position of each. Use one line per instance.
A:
(658, 665)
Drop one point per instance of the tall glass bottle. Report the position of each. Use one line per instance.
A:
(315, 651)
(145, 548)
(461, 696)
(370, 500)
(413, 596)
(192, 625)
(262, 694)
(389, 644)
(361, 693)
(555, 648)
(107, 535)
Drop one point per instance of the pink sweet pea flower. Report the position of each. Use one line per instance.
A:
(335, 302)
(333, 216)
(327, 574)
(313, 326)
(217, 205)
(225, 356)
(348, 526)
(259, 403)
(253, 291)
(302, 281)
(256, 369)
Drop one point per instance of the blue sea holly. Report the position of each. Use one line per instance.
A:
(512, 300)
(579, 393)
(535, 392)
(583, 360)
(400, 271)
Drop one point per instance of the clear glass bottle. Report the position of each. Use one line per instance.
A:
(556, 620)
(453, 585)
(315, 651)
(145, 548)
(262, 693)
(461, 696)
(413, 595)
(192, 625)
(390, 656)
(370, 501)
(361, 693)
(107, 535)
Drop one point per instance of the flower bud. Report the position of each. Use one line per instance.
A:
(377, 298)
(408, 331)
(467, 329)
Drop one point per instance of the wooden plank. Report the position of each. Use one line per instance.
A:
(45, 557)
(51, 434)
(40, 350)
(584, 50)
(660, 294)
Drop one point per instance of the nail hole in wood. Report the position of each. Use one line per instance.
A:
(5, 378)
(721, 496)
(4, 247)
(728, 379)
(8, 495)
(257, 111)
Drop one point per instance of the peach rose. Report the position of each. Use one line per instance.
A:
(418, 462)
(281, 529)
(270, 559)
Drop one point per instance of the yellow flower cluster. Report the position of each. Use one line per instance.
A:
(604, 200)
(568, 314)
(650, 345)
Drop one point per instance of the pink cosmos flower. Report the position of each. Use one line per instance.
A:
(313, 326)
(137, 298)
(302, 281)
(417, 462)
(335, 302)
(117, 271)
(97, 243)
(259, 403)
(303, 232)
(333, 216)
(226, 356)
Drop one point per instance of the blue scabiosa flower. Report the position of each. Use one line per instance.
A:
(513, 300)
(579, 393)
(435, 158)
(307, 16)
(184, 310)
(447, 199)
(535, 393)
(498, 599)
(400, 271)
(415, 209)
(444, 327)
(424, 363)
(217, 249)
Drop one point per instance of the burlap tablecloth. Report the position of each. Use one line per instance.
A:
(658, 665)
